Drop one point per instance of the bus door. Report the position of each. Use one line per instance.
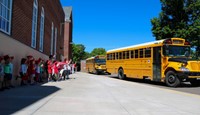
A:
(157, 64)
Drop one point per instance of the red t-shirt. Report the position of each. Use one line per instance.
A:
(49, 66)
(31, 69)
(55, 68)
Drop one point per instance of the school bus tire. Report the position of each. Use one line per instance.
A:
(97, 72)
(171, 79)
(121, 74)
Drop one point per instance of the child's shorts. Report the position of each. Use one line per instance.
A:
(8, 76)
(1, 78)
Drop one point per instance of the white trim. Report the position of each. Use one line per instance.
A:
(134, 46)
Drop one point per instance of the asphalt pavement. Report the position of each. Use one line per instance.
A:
(88, 94)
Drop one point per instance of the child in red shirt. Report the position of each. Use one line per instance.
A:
(55, 72)
(31, 71)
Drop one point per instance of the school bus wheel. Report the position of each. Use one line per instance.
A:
(171, 79)
(121, 74)
(97, 72)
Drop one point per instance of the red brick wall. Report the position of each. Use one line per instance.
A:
(66, 41)
(22, 22)
(67, 50)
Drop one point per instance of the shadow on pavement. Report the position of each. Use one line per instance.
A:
(16, 99)
(160, 84)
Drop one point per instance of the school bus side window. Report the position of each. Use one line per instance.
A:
(113, 56)
(132, 54)
(124, 55)
(141, 53)
(107, 56)
(120, 55)
(127, 54)
(136, 53)
(117, 56)
(147, 52)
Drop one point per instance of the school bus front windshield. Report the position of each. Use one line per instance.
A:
(176, 51)
(100, 61)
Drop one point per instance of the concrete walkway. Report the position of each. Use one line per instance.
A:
(87, 94)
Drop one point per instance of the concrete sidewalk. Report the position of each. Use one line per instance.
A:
(87, 94)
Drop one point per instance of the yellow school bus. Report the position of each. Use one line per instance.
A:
(96, 64)
(166, 60)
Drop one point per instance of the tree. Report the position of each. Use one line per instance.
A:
(98, 51)
(178, 18)
(86, 55)
(78, 52)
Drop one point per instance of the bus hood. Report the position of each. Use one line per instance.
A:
(181, 60)
(191, 64)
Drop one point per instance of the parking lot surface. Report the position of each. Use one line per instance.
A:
(88, 94)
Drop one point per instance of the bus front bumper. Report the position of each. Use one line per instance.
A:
(189, 75)
(101, 70)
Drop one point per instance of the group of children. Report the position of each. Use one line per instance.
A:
(33, 71)
(58, 70)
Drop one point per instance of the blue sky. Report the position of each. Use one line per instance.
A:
(112, 24)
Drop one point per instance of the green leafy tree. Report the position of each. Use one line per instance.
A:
(78, 52)
(178, 18)
(86, 55)
(98, 51)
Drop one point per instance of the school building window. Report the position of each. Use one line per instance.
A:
(41, 30)
(5, 16)
(34, 23)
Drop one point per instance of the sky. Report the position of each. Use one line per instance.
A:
(112, 24)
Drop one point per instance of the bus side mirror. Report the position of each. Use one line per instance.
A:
(187, 54)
